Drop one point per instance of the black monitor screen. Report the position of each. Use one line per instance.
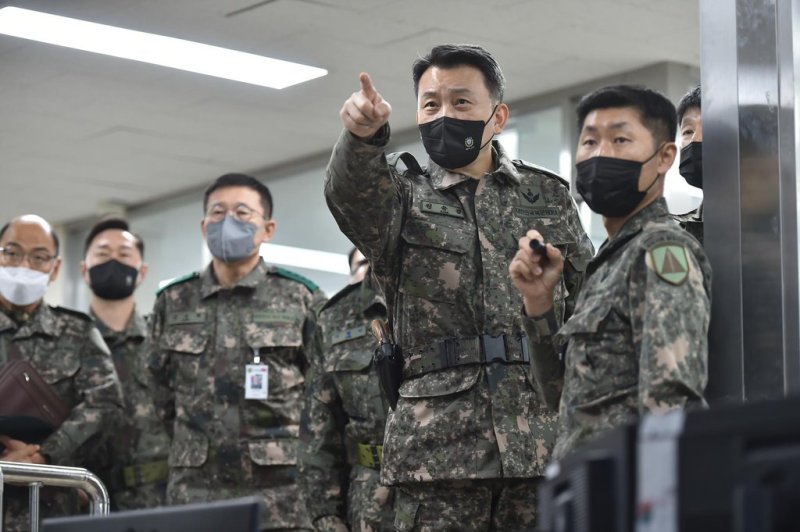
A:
(234, 515)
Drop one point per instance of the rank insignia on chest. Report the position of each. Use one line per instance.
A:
(670, 262)
(531, 196)
(441, 208)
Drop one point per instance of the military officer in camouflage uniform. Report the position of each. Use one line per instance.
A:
(230, 356)
(637, 342)
(67, 351)
(469, 437)
(113, 267)
(345, 415)
(690, 124)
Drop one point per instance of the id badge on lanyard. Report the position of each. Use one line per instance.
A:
(256, 378)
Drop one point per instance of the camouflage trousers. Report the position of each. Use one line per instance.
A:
(369, 505)
(507, 505)
(285, 506)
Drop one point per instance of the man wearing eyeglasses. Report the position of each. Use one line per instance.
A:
(229, 359)
(65, 349)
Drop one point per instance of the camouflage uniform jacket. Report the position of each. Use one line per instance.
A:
(692, 221)
(439, 244)
(344, 408)
(137, 476)
(69, 353)
(638, 339)
(224, 445)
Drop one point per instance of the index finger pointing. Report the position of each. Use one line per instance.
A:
(366, 86)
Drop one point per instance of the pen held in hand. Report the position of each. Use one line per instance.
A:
(539, 248)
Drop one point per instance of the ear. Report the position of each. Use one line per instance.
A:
(269, 230)
(84, 271)
(203, 228)
(666, 156)
(500, 118)
(56, 269)
(142, 273)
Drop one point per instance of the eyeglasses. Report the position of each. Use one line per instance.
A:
(13, 256)
(241, 212)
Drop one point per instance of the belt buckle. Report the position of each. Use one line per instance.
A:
(494, 348)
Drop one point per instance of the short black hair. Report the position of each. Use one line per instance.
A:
(456, 55)
(656, 111)
(690, 99)
(111, 223)
(53, 234)
(241, 180)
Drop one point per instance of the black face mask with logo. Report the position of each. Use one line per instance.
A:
(691, 165)
(112, 280)
(452, 142)
(610, 186)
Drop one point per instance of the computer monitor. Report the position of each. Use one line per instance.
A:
(233, 515)
(739, 468)
(592, 488)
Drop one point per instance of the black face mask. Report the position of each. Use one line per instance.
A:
(610, 186)
(112, 280)
(454, 143)
(691, 167)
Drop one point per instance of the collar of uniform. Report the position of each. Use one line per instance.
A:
(135, 329)
(370, 297)
(41, 321)
(655, 211)
(210, 285)
(442, 179)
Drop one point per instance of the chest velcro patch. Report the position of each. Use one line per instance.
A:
(670, 262)
(348, 334)
(441, 208)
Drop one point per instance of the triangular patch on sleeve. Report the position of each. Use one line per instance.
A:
(670, 262)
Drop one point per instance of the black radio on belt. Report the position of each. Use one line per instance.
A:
(389, 363)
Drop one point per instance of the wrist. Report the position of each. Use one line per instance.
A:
(539, 306)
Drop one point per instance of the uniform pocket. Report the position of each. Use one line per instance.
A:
(189, 448)
(441, 383)
(600, 354)
(357, 381)
(273, 452)
(433, 256)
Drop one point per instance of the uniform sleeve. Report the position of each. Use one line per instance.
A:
(547, 368)
(95, 417)
(577, 259)
(670, 316)
(323, 465)
(159, 364)
(363, 196)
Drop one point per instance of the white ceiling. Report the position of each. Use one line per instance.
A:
(79, 131)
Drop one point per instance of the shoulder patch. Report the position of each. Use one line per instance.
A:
(409, 161)
(288, 274)
(73, 312)
(670, 262)
(178, 280)
(541, 170)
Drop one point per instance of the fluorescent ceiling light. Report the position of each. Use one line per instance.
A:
(155, 49)
(312, 259)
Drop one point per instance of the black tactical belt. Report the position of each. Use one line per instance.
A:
(483, 349)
